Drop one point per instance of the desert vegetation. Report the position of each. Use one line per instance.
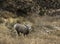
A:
(42, 15)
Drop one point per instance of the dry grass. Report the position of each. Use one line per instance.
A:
(44, 32)
(46, 39)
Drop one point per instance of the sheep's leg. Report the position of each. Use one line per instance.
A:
(18, 33)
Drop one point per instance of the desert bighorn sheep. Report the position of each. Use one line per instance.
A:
(24, 29)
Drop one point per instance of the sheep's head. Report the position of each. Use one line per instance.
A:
(28, 26)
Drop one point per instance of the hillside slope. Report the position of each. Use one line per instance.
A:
(43, 15)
